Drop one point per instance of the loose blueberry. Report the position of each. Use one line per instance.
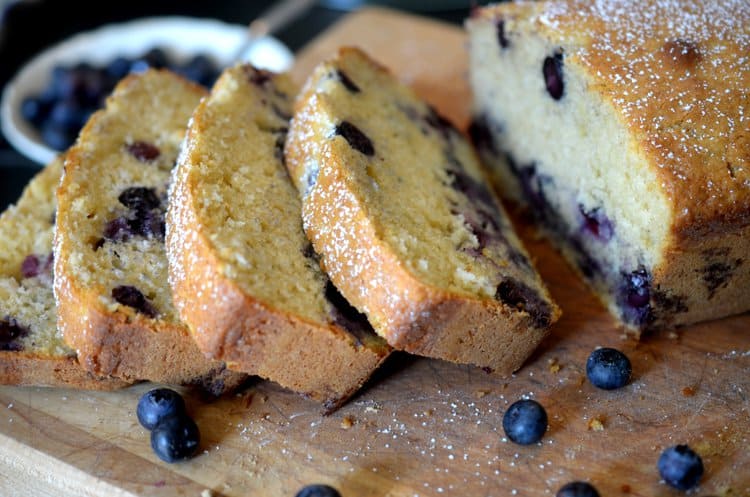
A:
(680, 467)
(158, 404)
(608, 369)
(132, 297)
(10, 334)
(553, 75)
(318, 491)
(525, 422)
(175, 438)
(577, 489)
(68, 114)
(356, 138)
(143, 151)
(347, 82)
(139, 198)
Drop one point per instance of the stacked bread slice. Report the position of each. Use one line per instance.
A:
(32, 351)
(180, 254)
(244, 276)
(396, 203)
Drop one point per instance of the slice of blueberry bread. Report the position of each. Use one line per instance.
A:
(244, 276)
(32, 351)
(114, 302)
(625, 131)
(395, 202)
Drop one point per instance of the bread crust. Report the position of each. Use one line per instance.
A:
(22, 369)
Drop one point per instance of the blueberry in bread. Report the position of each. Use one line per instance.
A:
(396, 204)
(244, 276)
(115, 305)
(32, 351)
(625, 130)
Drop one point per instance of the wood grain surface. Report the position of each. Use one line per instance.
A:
(421, 427)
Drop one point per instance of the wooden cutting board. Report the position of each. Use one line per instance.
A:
(422, 427)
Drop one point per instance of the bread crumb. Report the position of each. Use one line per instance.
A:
(596, 424)
(688, 391)
(673, 335)
(481, 393)
(347, 422)
(554, 366)
(625, 488)
(207, 493)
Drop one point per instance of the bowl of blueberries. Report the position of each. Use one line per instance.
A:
(51, 97)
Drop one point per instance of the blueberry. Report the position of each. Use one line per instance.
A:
(118, 229)
(149, 224)
(355, 137)
(577, 489)
(132, 297)
(10, 334)
(318, 491)
(597, 223)
(199, 69)
(608, 368)
(35, 109)
(525, 422)
(34, 265)
(680, 467)
(501, 38)
(347, 82)
(638, 285)
(118, 68)
(158, 404)
(553, 76)
(175, 438)
(139, 198)
(156, 58)
(521, 296)
(57, 137)
(66, 82)
(143, 151)
(68, 114)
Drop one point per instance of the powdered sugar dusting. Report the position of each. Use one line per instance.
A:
(679, 74)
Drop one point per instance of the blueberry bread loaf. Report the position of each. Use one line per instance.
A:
(114, 303)
(625, 131)
(32, 351)
(395, 202)
(244, 276)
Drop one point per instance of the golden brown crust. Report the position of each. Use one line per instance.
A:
(677, 74)
(120, 341)
(323, 362)
(17, 368)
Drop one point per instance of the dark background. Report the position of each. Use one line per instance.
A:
(29, 27)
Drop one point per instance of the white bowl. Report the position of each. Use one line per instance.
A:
(180, 37)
